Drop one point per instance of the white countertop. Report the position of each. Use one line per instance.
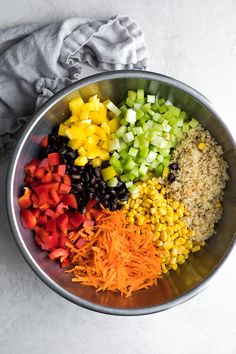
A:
(195, 42)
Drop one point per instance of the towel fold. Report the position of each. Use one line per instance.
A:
(36, 62)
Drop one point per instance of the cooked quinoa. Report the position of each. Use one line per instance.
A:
(200, 181)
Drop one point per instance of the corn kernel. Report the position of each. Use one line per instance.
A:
(196, 248)
(201, 146)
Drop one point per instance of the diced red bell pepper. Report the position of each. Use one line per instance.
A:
(54, 159)
(62, 223)
(31, 167)
(28, 219)
(80, 243)
(35, 200)
(62, 240)
(67, 179)
(61, 170)
(60, 209)
(42, 234)
(51, 226)
(70, 201)
(50, 213)
(44, 206)
(64, 188)
(76, 219)
(88, 222)
(42, 220)
(59, 253)
(42, 188)
(55, 196)
(36, 212)
(25, 200)
(47, 178)
(44, 141)
(28, 180)
(56, 177)
(66, 263)
(43, 197)
(44, 163)
(39, 172)
(51, 243)
(90, 204)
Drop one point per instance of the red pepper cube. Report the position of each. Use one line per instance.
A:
(76, 219)
(61, 170)
(67, 179)
(70, 201)
(36, 212)
(44, 163)
(59, 253)
(31, 167)
(42, 220)
(35, 201)
(62, 223)
(51, 243)
(54, 159)
(50, 213)
(28, 180)
(64, 188)
(51, 226)
(47, 178)
(63, 239)
(66, 263)
(28, 219)
(44, 206)
(55, 196)
(25, 200)
(90, 204)
(44, 141)
(40, 172)
(80, 243)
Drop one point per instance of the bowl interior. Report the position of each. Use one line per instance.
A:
(186, 280)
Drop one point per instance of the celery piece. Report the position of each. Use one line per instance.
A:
(116, 164)
(163, 109)
(143, 151)
(159, 170)
(129, 102)
(152, 113)
(137, 106)
(154, 164)
(168, 103)
(129, 164)
(121, 131)
(164, 123)
(193, 123)
(151, 98)
(123, 154)
(159, 158)
(180, 123)
(134, 190)
(130, 116)
(156, 117)
(166, 161)
(164, 151)
(136, 142)
(161, 101)
(130, 176)
(124, 178)
(113, 182)
(139, 130)
(139, 114)
(155, 107)
(123, 121)
(129, 184)
(110, 105)
(146, 107)
(167, 128)
(114, 144)
(132, 95)
(143, 169)
(139, 160)
(185, 127)
(153, 148)
(140, 94)
(183, 115)
(123, 108)
(151, 156)
(128, 137)
(133, 152)
(116, 155)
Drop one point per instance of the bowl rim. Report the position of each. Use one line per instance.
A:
(119, 74)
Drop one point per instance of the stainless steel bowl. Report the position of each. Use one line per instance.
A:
(176, 287)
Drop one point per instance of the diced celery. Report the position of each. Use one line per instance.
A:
(137, 106)
(130, 116)
(160, 158)
(116, 155)
(129, 184)
(155, 107)
(185, 127)
(156, 117)
(129, 164)
(123, 154)
(174, 110)
(166, 161)
(114, 144)
(134, 190)
(153, 148)
(139, 160)
(129, 102)
(143, 151)
(140, 94)
(113, 182)
(132, 95)
(163, 109)
(152, 113)
(123, 121)
(124, 178)
(146, 107)
(121, 131)
(159, 170)
(151, 98)
(193, 123)
(133, 152)
(151, 156)
(110, 105)
(143, 169)
(183, 115)
(154, 164)
(116, 164)
(167, 129)
(139, 114)
(161, 101)
(123, 108)
(180, 123)
(139, 130)
(128, 137)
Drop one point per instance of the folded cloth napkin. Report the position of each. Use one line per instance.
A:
(36, 62)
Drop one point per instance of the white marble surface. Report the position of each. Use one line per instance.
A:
(191, 40)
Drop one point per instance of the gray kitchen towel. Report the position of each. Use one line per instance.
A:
(36, 62)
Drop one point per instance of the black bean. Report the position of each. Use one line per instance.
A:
(97, 172)
(105, 164)
(174, 166)
(171, 177)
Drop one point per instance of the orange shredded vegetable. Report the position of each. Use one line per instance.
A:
(116, 256)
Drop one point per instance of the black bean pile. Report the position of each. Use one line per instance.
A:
(87, 181)
(173, 167)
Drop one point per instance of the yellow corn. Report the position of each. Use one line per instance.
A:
(201, 146)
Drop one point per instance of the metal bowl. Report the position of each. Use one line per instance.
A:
(175, 287)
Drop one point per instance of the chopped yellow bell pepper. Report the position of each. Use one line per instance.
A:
(81, 161)
(75, 105)
(108, 173)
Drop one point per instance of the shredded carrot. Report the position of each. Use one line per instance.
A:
(117, 256)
